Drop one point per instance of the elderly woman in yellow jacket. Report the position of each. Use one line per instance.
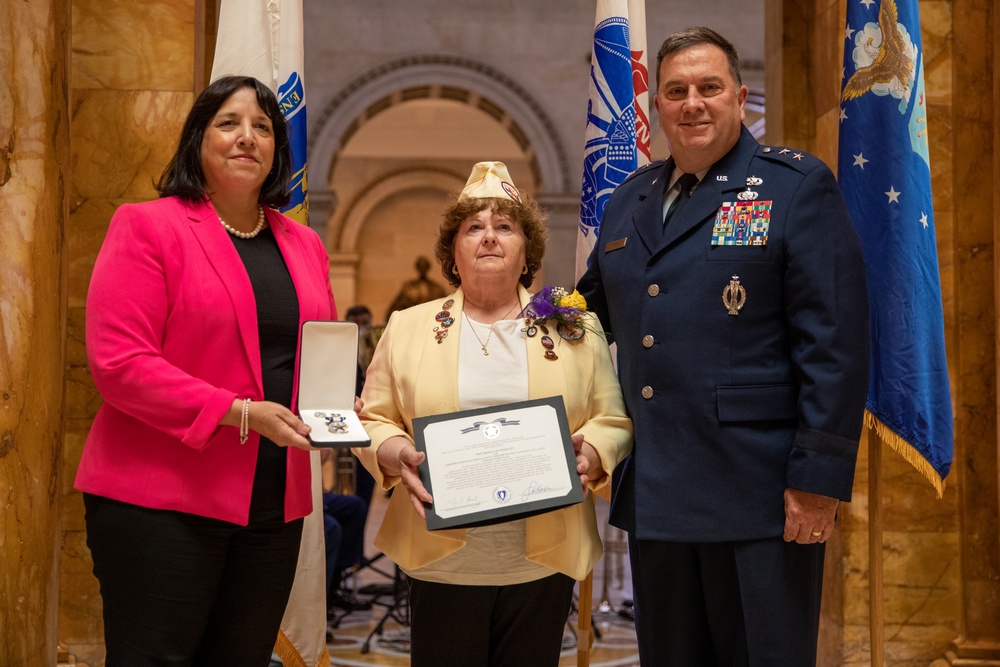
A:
(497, 594)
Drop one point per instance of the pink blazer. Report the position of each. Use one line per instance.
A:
(171, 341)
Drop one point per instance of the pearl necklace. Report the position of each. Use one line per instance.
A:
(483, 345)
(251, 234)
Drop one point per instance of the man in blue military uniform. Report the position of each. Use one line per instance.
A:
(732, 281)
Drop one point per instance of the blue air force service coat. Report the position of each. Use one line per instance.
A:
(742, 333)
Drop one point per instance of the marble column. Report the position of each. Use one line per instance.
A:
(133, 82)
(788, 72)
(322, 206)
(34, 162)
(560, 251)
(976, 179)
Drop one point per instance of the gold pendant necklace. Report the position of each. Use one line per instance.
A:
(489, 335)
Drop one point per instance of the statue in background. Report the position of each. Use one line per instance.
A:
(416, 291)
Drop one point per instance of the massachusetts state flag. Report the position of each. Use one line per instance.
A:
(263, 39)
(617, 135)
(884, 172)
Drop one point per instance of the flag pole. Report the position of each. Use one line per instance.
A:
(876, 616)
(584, 636)
(619, 93)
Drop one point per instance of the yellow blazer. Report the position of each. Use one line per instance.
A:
(412, 375)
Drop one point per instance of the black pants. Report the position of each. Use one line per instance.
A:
(183, 590)
(727, 604)
(520, 625)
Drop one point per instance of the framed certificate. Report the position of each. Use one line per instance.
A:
(498, 463)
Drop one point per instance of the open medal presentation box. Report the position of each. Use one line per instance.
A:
(328, 368)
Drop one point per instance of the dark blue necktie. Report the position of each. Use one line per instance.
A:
(685, 182)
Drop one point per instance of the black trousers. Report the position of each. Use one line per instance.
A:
(520, 625)
(727, 604)
(183, 590)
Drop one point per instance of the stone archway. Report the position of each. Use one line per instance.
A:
(416, 179)
(340, 217)
(451, 77)
(348, 257)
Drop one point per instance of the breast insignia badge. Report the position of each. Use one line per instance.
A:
(748, 194)
(734, 295)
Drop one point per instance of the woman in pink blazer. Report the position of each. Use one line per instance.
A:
(196, 474)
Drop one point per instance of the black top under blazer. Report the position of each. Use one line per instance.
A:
(736, 407)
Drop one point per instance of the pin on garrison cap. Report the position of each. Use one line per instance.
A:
(490, 179)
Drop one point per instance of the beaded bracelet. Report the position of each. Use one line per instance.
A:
(245, 422)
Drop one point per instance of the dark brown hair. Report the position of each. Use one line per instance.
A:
(184, 177)
(684, 39)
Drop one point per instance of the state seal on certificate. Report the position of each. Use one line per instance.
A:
(498, 463)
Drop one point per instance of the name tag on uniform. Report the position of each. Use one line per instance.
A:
(742, 223)
(615, 245)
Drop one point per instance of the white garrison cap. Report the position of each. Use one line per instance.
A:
(490, 179)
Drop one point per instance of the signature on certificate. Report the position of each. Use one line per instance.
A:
(462, 501)
(534, 489)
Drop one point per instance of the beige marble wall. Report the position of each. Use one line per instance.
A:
(133, 68)
(787, 47)
(975, 167)
(34, 159)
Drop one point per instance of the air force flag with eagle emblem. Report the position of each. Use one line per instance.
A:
(617, 135)
(884, 173)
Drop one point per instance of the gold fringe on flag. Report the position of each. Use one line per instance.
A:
(290, 655)
(906, 450)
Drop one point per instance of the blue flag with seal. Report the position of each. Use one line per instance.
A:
(617, 134)
(884, 173)
(292, 100)
(263, 39)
